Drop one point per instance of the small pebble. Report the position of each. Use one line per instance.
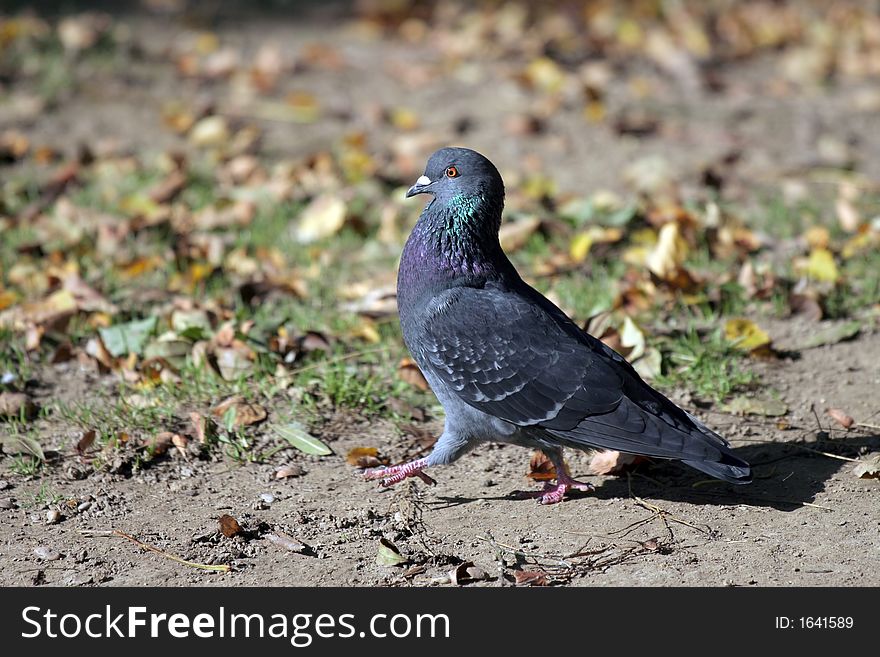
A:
(6, 503)
(53, 516)
(268, 498)
(4, 484)
(46, 554)
(84, 506)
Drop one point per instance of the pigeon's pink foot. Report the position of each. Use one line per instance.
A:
(555, 493)
(397, 473)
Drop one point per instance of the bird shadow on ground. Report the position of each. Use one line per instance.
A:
(787, 476)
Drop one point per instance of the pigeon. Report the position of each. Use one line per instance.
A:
(508, 365)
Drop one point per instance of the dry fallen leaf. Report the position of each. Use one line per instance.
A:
(743, 405)
(229, 526)
(321, 218)
(289, 471)
(541, 468)
(85, 441)
(282, 540)
(159, 443)
(364, 457)
(241, 412)
(211, 131)
(408, 371)
(841, 417)
(180, 442)
(388, 554)
(530, 578)
(14, 405)
(869, 468)
(200, 427)
(747, 335)
(610, 462)
(466, 573)
(514, 234)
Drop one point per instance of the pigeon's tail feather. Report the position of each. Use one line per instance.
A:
(657, 429)
(732, 469)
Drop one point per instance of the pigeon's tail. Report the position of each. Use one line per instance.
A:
(656, 427)
(731, 469)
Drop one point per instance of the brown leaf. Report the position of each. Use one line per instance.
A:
(466, 573)
(288, 543)
(515, 234)
(365, 457)
(167, 189)
(530, 578)
(16, 404)
(180, 442)
(159, 443)
(869, 468)
(541, 468)
(841, 417)
(805, 306)
(314, 341)
(289, 471)
(408, 371)
(246, 413)
(86, 441)
(322, 218)
(229, 526)
(199, 425)
(609, 462)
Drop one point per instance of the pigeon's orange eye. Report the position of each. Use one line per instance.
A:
(451, 172)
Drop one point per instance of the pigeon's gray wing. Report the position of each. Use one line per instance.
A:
(504, 354)
(515, 356)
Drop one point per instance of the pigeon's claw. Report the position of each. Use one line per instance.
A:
(397, 473)
(555, 493)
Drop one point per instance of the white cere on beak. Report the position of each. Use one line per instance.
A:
(423, 180)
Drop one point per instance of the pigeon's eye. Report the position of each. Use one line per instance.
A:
(451, 172)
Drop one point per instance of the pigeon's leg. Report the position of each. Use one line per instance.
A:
(554, 493)
(397, 473)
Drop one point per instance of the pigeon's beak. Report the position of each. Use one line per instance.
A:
(420, 187)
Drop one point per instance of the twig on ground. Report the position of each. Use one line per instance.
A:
(222, 568)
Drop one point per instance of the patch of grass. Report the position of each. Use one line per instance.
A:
(13, 356)
(364, 385)
(46, 495)
(585, 294)
(709, 365)
(25, 465)
(860, 288)
(112, 418)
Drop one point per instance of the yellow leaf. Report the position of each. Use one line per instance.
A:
(7, 298)
(632, 336)
(669, 253)
(368, 332)
(545, 74)
(321, 218)
(817, 237)
(821, 266)
(210, 131)
(514, 234)
(594, 111)
(580, 247)
(745, 334)
(404, 118)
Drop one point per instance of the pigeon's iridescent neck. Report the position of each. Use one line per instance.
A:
(459, 236)
(454, 239)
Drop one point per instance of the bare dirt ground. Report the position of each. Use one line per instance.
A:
(806, 519)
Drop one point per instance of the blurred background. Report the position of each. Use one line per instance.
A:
(201, 209)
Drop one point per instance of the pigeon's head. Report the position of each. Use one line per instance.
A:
(460, 173)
